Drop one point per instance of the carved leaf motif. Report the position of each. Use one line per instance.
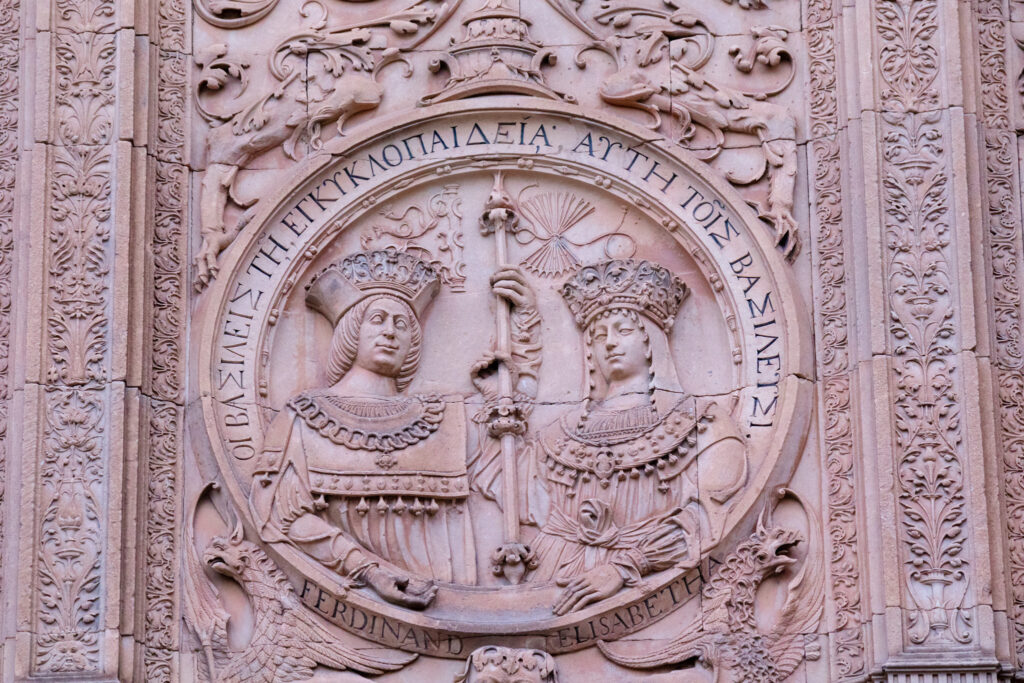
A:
(10, 97)
(927, 411)
(69, 567)
(833, 360)
(908, 58)
(1003, 236)
(72, 469)
(693, 109)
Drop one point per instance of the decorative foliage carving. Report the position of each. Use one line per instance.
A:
(493, 664)
(69, 570)
(163, 522)
(1003, 238)
(10, 47)
(325, 75)
(73, 461)
(700, 111)
(926, 402)
(908, 60)
(727, 638)
(832, 317)
(164, 385)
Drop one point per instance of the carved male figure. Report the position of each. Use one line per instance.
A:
(361, 475)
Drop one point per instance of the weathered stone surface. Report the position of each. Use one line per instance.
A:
(507, 340)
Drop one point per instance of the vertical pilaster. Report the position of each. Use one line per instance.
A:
(1002, 357)
(919, 371)
(10, 148)
(79, 426)
(828, 138)
(163, 384)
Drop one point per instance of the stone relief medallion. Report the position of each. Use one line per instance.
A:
(503, 376)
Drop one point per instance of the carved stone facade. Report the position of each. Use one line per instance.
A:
(511, 340)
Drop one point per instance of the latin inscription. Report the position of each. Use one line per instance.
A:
(609, 626)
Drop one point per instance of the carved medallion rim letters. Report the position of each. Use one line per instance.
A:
(453, 612)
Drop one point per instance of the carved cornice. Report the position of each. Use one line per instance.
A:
(10, 47)
(923, 336)
(832, 319)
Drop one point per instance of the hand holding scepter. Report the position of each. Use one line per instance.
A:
(505, 421)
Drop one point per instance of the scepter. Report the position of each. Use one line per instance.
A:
(505, 420)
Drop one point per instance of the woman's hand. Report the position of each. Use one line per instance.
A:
(510, 284)
(603, 581)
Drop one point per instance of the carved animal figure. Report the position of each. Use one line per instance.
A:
(281, 118)
(727, 639)
(694, 102)
(288, 641)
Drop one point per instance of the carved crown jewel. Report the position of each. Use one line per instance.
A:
(388, 272)
(642, 286)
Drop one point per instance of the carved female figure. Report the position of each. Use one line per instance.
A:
(359, 474)
(637, 476)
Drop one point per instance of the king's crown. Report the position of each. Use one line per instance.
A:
(388, 272)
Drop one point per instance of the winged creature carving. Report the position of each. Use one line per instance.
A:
(321, 75)
(727, 638)
(691, 107)
(288, 641)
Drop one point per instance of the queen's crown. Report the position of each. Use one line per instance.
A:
(641, 286)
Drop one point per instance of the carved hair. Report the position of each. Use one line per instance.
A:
(509, 661)
(345, 344)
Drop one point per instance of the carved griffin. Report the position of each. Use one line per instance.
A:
(283, 117)
(694, 110)
(323, 76)
(288, 642)
(727, 639)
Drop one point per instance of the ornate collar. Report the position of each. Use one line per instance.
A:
(663, 446)
(371, 424)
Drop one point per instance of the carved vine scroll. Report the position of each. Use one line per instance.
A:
(926, 372)
(1004, 242)
(691, 107)
(832, 296)
(324, 75)
(10, 98)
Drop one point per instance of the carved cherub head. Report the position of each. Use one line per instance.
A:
(493, 664)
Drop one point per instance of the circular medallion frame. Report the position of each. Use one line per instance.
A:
(272, 255)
